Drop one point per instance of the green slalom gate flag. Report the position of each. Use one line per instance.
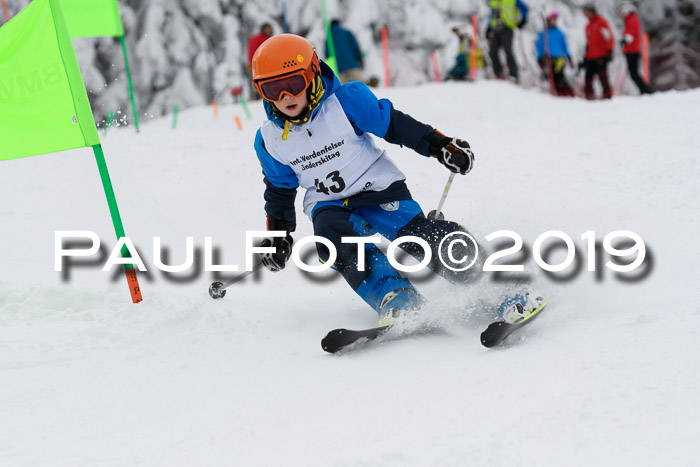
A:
(44, 107)
(43, 103)
(92, 18)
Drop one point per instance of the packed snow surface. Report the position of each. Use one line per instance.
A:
(607, 376)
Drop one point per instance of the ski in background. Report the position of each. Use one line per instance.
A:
(620, 80)
(528, 78)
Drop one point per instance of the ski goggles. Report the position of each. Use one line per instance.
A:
(274, 89)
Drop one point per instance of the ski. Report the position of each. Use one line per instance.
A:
(342, 339)
(498, 331)
(339, 339)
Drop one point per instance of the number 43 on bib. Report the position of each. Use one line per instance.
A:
(336, 184)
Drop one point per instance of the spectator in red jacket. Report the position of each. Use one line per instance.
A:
(598, 52)
(255, 41)
(253, 44)
(632, 44)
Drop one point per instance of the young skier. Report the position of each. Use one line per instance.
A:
(317, 137)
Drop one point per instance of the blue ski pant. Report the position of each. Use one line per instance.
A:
(391, 220)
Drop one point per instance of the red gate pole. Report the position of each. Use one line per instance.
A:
(5, 11)
(385, 50)
(472, 56)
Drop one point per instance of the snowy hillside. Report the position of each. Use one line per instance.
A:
(187, 52)
(607, 376)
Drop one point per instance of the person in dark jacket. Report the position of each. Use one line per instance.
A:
(347, 53)
(503, 22)
(631, 43)
(599, 49)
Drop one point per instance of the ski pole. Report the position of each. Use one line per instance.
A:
(528, 78)
(217, 289)
(437, 214)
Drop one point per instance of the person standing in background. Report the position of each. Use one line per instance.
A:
(631, 44)
(599, 49)
(257, 40)
(460, 70)
(253, 43)
(504, 20)
(347, 53)
(553, 58)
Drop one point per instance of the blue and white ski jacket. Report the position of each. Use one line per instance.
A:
(333, 155)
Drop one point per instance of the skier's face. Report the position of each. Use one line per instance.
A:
(292, 106)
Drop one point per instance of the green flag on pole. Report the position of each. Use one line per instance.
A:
(44, 107)
(92, 18)
(43, 104)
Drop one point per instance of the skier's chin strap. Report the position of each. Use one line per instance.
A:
(314, 94)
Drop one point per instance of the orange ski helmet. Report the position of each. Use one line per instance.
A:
(285, 64)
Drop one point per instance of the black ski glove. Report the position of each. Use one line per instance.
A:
(455, 154)
(276, 261)
(522, 23)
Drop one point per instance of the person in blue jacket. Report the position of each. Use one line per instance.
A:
(552, 55)
(348, 55)
(319, 136)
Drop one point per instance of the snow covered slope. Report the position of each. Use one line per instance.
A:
(608, 376)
